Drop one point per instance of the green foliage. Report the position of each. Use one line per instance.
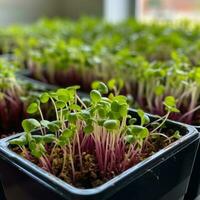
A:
(95, 96)
(32, 108)
(170, 104)
(151, 59)
(44, 98)
(21, 141)
(65, 137)
(100, 86)
(37, 149)
(111, 124)
(108, 114)
(136, 134)
(30, 124)
(143, 117)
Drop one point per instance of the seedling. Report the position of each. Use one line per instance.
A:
(15, 95)
(89, 143)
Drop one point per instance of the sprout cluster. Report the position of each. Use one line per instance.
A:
(154, 60)
(15, 95)
(98, 129)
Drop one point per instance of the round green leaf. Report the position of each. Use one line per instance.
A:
(100, 86)
(115, 106)
(95, 96)
(60, 104)
(72, 118)
(111, 124)
(54, 126)
(32, 108)
(30, 124)
(21, 141)
(86, 101)
(170, 101)
(44, 123)
(44, 98)
(139, 131)
(48, 138)
(75, 107)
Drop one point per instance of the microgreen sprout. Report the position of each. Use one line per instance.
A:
(100, 133)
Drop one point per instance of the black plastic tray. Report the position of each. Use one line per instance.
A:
(165, 175)
(44, 85)
(194, 184)
(36, 82)
(2, 195)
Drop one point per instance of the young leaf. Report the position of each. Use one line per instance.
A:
(146, 119)
(115, 83)
(170, 101)
(48, 138)
(111, 84)
(176, 135)
(21, 141)
(102, 112)
(75, 107)
(143, 117)
(44, 123)
(88, 129)
(30, 124)
(44, 98)
(72, 118)
(170, 104)
(95, 96)
(130, 139)
(37, 138)
(37, 149)
(132, 121)
(100, 86)
(123, 109)
(130, 99)
(115, 106)
(159, 90)
(65, 137)
(111, 124)
(60, 104)
(86, 101)
(120, 98)
(32, 108)
(63, 95)
(54, 126)
(138, 132)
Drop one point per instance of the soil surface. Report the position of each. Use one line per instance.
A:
(88, 175)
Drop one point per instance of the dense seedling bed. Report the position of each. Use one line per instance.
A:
(154, 60)
(91, 141)
(15, 95)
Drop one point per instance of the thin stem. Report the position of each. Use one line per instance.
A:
(40, 111)
(57, 116)
(190, 112)
(160, 125)
(42, 117)
(71, 160)
(79, 151)
(81, 101)
(53, 149)
(64, 159)
(163, 135)
(157, 120)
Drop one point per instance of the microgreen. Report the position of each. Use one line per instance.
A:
(101, 128)
(15, 95)
(146, 60)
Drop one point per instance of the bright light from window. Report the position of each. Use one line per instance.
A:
(170, 9)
